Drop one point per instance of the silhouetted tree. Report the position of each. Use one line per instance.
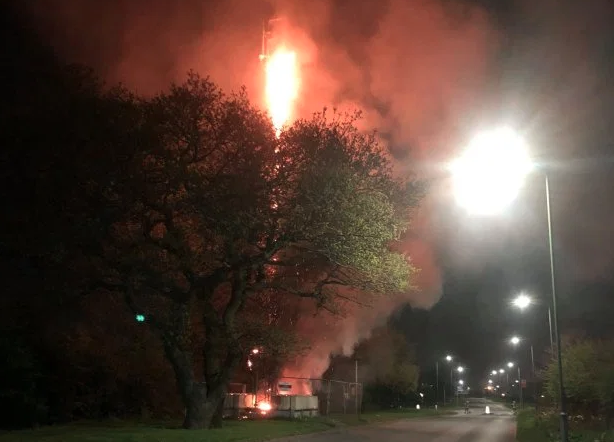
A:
(212, 209)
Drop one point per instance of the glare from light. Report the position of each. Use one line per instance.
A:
(515, 340)
(490, 381)
(522, 301)
(491, 172)
(460, 369)
(493, 372)
(255, 351)
(501, 371)
(461, 382)
(421, 394)
(510, 364)
(516, 381)
(449, 358)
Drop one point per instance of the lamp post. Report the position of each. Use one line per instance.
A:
(515, 341)
(448, 359)
(510, 365)
(487, 178)
(523, 301)
(460, 370)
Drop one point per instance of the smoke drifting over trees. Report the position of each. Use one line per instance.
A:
(414, 68)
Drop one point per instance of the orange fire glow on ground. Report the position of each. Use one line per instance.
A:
(282, 86)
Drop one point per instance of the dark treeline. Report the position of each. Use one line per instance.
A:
(61, 357)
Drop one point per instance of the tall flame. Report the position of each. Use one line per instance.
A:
(282, 84)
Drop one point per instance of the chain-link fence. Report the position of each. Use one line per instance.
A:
(334, 397)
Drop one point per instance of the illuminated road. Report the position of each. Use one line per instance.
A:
(474, 427)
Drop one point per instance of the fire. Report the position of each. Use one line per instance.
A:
(282, 84)
(264, 407)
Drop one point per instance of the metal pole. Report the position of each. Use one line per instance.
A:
(452, 382)
(551, 333)
(520, 385)
(533, 383)
(436, 382)
(557, 333)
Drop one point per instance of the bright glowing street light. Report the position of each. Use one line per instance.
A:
(494, 372)
(501, 371)
(510, 364)
(490, 381)
(522, 301)
(489, 175)
(449, 358)
(515, 340)
(460, 369)
(461, 382)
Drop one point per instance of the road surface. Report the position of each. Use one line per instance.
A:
(476, 426)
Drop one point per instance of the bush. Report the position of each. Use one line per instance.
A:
(534, 427)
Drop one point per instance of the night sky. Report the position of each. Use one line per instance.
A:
(551, 81)
(548, 77)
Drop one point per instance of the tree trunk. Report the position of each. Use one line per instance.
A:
(219, 414)
(198, 415)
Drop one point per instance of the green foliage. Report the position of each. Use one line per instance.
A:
(533, 427)
(588, 369)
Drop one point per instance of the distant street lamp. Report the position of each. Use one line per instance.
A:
(460, 369)
(519, 381)
(486, 179)
(448, 359)
(523, 301)
(515, 341)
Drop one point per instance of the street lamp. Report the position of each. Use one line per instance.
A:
(460, 369)
(515, 340)
(448, 359)
(487, 178)
(523, 301)
(519, 381)
(494, 372)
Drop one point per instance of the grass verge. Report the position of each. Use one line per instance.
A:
(233, 431)
(531, 427)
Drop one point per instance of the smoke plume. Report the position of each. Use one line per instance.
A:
(416, 69)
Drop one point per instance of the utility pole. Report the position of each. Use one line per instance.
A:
(437, 383)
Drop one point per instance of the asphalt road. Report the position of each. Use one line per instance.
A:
(473, 427)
